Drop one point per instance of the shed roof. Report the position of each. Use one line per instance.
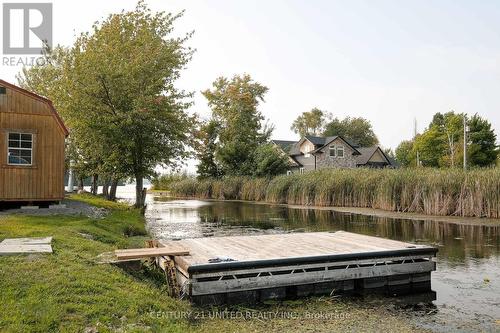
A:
(40, 98)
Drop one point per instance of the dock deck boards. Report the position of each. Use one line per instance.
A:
(282, 246)
(268, 266)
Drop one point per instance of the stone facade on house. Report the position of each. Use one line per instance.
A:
(346, 161)
(314, 153)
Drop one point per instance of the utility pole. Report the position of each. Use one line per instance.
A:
(414, 137)
(465, 142)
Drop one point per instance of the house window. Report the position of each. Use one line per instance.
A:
(301, 170)
(340, 151)
(3, 91)
(20, 149)
(333, 152)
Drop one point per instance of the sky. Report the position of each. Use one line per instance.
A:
(390, 62)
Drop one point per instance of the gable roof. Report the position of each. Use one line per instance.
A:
(367, 153)
(39, 98)
(364, 154)
(315, 140)
(285, 145)
(330, 139)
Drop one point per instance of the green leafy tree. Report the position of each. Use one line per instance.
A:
(84, 149)
(405, 154)
(309, 123)
(431, 147)
(118, 94)
(482, 148)
(269, 161)
(441, 144)
(356, 129)
(206, 145)
(115, 90)
(47, 78)
(234, 105)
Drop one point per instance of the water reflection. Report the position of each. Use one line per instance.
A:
(457, 242)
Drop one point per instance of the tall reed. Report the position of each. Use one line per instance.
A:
(428, 191)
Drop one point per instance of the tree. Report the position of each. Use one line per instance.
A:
(405, 154)
(441, 144)
(84, 149)
(269, 161)
(309, 123)
(119, 96)
(482, 149)
(234, 105)
(115, 90)
(206, 145)
(47, 79)
(358, 130)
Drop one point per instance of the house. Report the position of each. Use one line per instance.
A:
(31, 147)
(313, 153)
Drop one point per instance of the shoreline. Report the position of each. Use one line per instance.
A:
(463, 220)
(87, 287)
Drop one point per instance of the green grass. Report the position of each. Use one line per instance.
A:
(69, 291)
(474, 193)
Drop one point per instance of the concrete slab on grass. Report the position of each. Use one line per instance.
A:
(27, 241)
(11, 246)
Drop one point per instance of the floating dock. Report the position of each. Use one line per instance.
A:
(256, 268)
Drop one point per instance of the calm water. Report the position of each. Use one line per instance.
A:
(467, 280)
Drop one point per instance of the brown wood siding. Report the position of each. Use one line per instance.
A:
(44, 179)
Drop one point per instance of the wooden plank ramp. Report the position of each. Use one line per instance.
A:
(297, 264)
(143, 253)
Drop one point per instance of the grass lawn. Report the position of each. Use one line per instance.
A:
(68, 291)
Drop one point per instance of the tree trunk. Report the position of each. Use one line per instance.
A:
(80, 185)
(112, 190)
(105, 188)
(93, 189)
(140, 192)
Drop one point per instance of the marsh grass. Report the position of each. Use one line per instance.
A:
(474, 193)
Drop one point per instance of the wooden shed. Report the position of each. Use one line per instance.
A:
(32, 142)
